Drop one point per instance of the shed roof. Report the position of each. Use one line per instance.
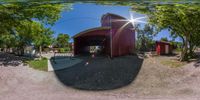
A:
(164, 42)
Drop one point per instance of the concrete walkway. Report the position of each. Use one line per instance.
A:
(62, 63)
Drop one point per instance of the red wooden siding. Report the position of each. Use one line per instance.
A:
(161, 47)
(117, 36)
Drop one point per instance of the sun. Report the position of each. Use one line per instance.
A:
(137, 19)
(132, 20)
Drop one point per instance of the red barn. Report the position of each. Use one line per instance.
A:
(163, 48)
(116, 37)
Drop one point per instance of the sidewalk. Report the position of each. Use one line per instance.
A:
(62, 63)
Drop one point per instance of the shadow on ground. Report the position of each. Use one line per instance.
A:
(170, 55)
(197, 63)
(100, 73)
(7, 59)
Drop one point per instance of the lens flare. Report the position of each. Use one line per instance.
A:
(136, 20)
(132, 21)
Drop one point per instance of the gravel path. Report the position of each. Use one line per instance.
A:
(154, 82)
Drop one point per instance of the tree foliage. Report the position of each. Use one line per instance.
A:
(183, 21)
(32, 33)
(145, 37)
(164, 39)
(13, 14)
(7, 41)
(22, 23)
(63, 40)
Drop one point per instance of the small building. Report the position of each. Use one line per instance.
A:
(115, 37)
(29, 51)
(163, 48)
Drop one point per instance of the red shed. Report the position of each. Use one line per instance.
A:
(116, 37)
(163, 48)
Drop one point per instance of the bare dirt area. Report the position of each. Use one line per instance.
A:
(154, 81)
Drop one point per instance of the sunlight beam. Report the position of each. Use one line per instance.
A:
(136, 20)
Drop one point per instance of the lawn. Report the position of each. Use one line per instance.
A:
(173, 63)
(39, 64)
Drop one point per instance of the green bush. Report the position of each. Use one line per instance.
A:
(43, 58)
(67, 49)
(62, 50)
(178, 49)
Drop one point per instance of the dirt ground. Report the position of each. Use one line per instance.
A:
(154, 81)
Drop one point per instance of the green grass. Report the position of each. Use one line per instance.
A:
(39, 64)
(173, 63)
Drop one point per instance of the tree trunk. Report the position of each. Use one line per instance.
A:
(184, 53)
(191, 50)
(40, 51)
(21, 51)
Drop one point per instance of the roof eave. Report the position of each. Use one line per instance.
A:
(89, 30)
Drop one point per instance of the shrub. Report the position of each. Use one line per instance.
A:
(62, 50)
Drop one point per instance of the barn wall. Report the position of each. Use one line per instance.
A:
(123, 41)
(116, 21)
(123, 38)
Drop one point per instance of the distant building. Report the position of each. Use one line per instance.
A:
(163, 48)
(29, 51)
(115, 37)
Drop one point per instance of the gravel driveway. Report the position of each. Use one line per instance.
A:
(154, 81)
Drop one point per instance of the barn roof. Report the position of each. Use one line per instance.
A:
(98, 28)
(90, 30)
(111, 14)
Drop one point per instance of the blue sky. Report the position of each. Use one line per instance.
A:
(85, 16)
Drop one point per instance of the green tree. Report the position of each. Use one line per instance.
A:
(145, 37)
(63, 40)
(42, 39)
(164, 39)
(12, 14)
(7, 41)
(183, 21)
(26, 20)
(33, 33)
